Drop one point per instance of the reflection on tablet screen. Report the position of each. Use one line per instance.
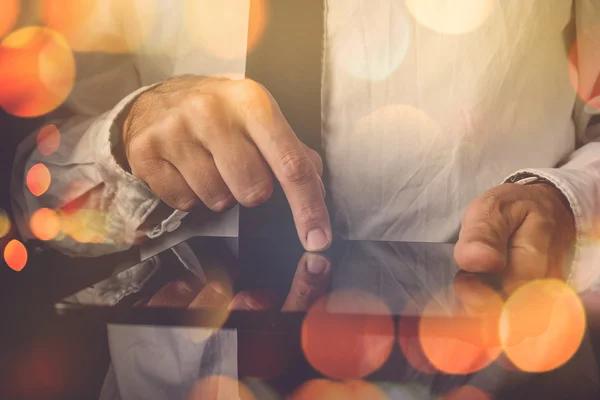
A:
(265, 274)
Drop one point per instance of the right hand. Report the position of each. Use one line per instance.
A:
(311, 281)
(214, 140)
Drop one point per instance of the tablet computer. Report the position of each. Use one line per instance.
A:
(274, 318)
(267, 273)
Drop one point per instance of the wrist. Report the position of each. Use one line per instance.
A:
(118, 140)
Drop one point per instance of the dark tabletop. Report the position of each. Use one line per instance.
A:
(132, 347)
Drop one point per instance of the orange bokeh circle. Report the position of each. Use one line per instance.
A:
(45, 224)
(8, 16)
(48, 139)
(344, 345)
(257, 22)
(332, 390)
(38, 179)
(542, 325)
(206, 22)
(456, 342)
(67, 17)
(219, 387)
(37, 71)
(121, 26)
(15, 255)
(466, 392)
(5, 224)
(584, 62)
(85, 225)
(408, 339)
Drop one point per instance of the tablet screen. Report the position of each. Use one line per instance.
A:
(262, 316)
(254, 274)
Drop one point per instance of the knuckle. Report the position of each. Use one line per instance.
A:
(172, 123)
(303, 295)
(143, 159)
(247, 88)
(257, 195)
(253, 98)
(202, 104)
(141, 148)
(308, 214)
(490, 205)
(492, 200)
(220, 205)
(182, 203)
(295, 167)
(529, 205)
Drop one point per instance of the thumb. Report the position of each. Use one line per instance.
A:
(483, 241)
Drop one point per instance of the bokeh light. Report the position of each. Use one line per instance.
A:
(38, 179)
(331, 390)
(410, 344)
(542, 325)
(77, 196)
(584, 62)
(265, 356)
(81, 215)
(85, 225)
(113, 26)
(15, 255)
(9, 14)
(216, 387)
(215, 298)
(68, 18)
(135, 21)
(45, 224)
(209, 25)
(457, 342)
(451, 17)
(44, 369)
(341, 345)
(48, 139)
(260, 389)
(401, 120)
(5, 224)
(372, 54)
(467, 392)
(257, 24)
(408, 391)
(37, 71)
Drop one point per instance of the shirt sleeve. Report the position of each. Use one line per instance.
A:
(578, 177)
(99, 205)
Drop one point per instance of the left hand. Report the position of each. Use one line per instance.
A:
(524, 232)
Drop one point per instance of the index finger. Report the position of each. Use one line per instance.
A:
(292, 167)
(311, 281)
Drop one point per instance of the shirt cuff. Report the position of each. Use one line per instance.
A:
(133, 199)
(579, 188)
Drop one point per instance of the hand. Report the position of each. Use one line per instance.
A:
(213, 140)
(311, 281)
(524, 232)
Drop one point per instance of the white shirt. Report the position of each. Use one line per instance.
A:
(421, 112)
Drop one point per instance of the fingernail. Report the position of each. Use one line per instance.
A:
(316, 240)
(316, 264)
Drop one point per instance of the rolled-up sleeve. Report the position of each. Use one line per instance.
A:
(100, 205)
(578, 177)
